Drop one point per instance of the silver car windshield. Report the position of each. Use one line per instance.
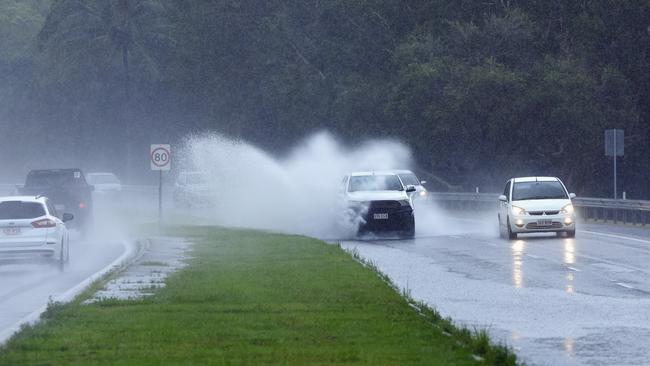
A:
(375, 183)
(538, 191)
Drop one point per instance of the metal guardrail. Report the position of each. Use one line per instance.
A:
(597, 209)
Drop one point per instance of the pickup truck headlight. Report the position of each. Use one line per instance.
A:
(518, 211)
(568, 209)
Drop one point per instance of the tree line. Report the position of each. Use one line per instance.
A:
(481, 90)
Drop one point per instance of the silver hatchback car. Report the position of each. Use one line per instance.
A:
(536, 204)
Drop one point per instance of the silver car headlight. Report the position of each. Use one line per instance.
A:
(518, 211)
(568, 209)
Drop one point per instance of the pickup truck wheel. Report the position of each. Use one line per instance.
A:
(60, 262)
(409, 232)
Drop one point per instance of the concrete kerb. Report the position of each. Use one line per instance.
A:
(132, 251)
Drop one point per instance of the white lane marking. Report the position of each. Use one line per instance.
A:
(622, 284)
(532, 256)
(624, 237)
(455, 236)
(574, 269)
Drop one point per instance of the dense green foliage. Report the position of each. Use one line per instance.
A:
(481, 90)
(250, 298)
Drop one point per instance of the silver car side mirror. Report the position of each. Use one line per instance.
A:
(503, 198)
(572, 195)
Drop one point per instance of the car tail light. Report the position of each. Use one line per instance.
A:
(39, 224)
(82, 205)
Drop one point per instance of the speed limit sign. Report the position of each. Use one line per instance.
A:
(161, 157)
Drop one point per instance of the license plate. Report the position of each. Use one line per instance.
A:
(380, 216)
(11, 231)
(544, 222)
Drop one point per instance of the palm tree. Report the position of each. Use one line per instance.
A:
(102, 32)
(97, 46)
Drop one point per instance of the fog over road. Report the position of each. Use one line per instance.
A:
(557, 301)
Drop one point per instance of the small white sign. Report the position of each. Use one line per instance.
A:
(161, 157)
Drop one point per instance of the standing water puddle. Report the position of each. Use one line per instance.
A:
(160, 258)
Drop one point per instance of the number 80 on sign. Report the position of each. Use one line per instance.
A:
(160, 156)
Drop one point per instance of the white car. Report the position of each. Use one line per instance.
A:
(31, 228)
(409, 178)
(192, 189)
(380, 202)
(536, 204)
(106, 184)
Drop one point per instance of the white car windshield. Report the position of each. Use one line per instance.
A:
(538, 191)
(375, 183)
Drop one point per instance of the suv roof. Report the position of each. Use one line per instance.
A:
(379, 172)
(66, 170)
(39, 199)
(101, 173)
(535, 179)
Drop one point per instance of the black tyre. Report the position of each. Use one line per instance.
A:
(571, 233)
(511, 235)
(67, 252)
(409, 229)
(60, 262)
(501, 231)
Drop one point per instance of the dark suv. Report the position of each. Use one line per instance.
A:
(67, 189)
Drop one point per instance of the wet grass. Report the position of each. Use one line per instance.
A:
(251, 298)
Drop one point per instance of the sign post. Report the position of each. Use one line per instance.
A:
(160, 156)
(614, 146)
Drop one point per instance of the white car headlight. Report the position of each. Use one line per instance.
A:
(518, 211)
(568, 209)
(423, 193)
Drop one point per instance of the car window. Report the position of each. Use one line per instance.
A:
(55, 179)
(375, 183)
(19, 210)
(51, 208)
(506, 191)
(538, 191)
(409, 179)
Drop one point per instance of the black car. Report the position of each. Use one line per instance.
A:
(67, 189)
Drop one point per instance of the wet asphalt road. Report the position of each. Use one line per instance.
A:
(556, 301)
(26, 287)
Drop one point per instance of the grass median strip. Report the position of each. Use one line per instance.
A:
(255, 298)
